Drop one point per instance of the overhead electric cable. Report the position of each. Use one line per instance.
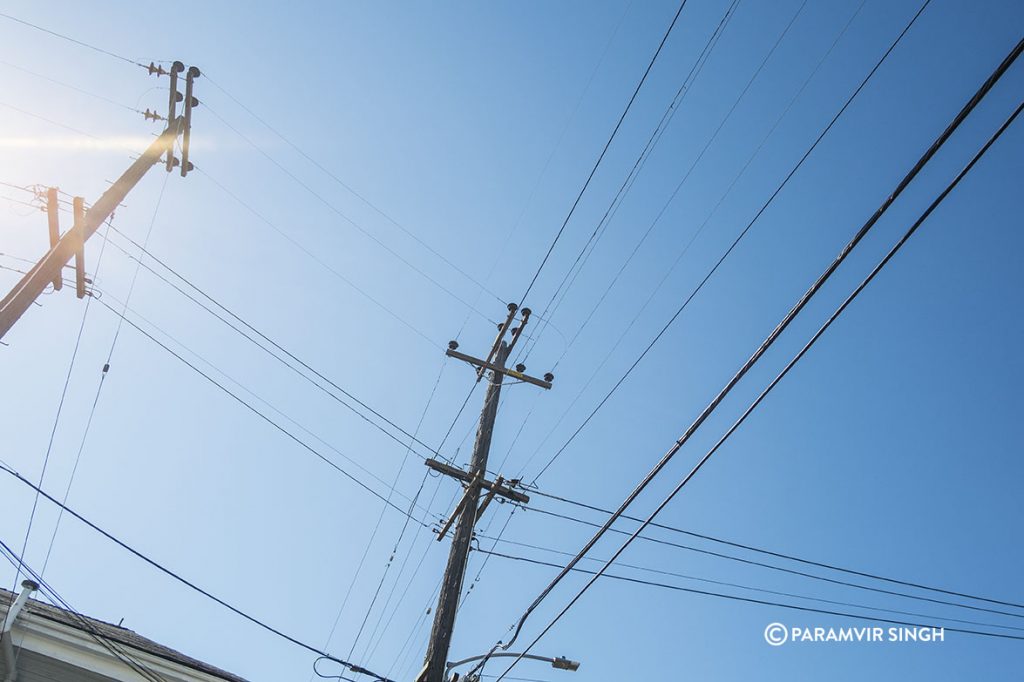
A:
(317, 259)
(762, 590)
(736, 241)
(787, 319)
(116, 649)
(273, 343)
(768, 552)
(103, 372)
(796, 607)
(68, 38)
(793, 571)
(986, 87)
(259, 414)
(334, 209)
(376, 209)
(604, 151)
(189, 584)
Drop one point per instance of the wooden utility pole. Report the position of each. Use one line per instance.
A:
(469, 509)
(50, 267)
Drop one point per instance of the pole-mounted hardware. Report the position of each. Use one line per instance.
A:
(50, 268)
(470, 507)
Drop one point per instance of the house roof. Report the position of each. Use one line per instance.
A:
(116, 633)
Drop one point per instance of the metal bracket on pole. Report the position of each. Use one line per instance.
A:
(461, 475)
(502, 328)
(483, 364)
(490, 496)
(49, 270)
(459, 507)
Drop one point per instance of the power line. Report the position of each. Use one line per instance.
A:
(401, 534)
(318, 260)
(600, 157)
(1007, 62)
(362, 198)
(103, 373)
(784, 323)
(413, 437)
(25, 112)
(258, 413)
(790, 571)
(720, 595)
(111, 645)
(334, 209)
(723, 583)
(69, 86)
(638, 165)
(737, 240)
(760, 550)
(600, 301)
(56, 421)
(68, 38)
(187, 583)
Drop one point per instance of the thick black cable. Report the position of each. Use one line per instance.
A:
(187, 583)
(1011, 57)
(111, 645)
(604, 151)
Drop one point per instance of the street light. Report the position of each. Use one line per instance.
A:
(559, 662)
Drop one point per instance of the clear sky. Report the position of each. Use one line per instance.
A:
(893, 448)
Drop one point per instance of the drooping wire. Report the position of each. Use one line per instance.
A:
(187, 583)
(112, 646)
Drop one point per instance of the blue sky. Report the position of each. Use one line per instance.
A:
(892, 448)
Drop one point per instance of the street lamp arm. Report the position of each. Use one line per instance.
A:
(561, 662)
